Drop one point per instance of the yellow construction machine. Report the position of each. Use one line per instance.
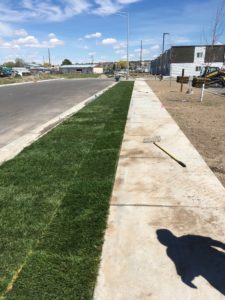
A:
(211, 76)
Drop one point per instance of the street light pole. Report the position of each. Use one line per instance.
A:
(163, 47)
(128, 33)
(164, 34)
(127, 15)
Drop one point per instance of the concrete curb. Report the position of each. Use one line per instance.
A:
(47, 80)
(11, 150)
(29, 82)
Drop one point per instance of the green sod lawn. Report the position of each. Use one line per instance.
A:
(54, 199)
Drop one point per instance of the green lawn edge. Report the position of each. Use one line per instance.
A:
(54, 199)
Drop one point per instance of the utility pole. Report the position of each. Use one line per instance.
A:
(92, 59)
(49, 57)
(163, 48)
(141, 54)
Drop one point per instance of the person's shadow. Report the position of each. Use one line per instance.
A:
(195, 255)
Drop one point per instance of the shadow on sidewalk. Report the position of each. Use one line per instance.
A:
(195, 255)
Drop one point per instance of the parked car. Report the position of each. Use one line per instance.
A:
(5, 73)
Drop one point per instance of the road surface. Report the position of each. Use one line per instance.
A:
(24, 107)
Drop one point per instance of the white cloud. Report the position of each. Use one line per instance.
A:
(54, 42)
(55, 11)
(131, 56)
(180, 40)
(21, 32)
(218, 43)
(107, 7)
(46, 10)
(144, 51)
(93, 35)
(155, 47)
(5, 29)
(128, 1)
(51, 35)
(102, 58)
(109, 41)
(91, 53)
(120, 46)
(120, 51)
(31, 41)
(28, 41)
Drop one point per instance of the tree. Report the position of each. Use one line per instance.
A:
(46, 65)
(19, 62)
(122, 64)
(216, 31)
(9, 64)
(66, 62)
(217, 28)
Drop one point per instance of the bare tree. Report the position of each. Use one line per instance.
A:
(216, 31)
(217, 28)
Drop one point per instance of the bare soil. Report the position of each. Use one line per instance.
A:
(202, 122)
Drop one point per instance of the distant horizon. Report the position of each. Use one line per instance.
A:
(82, 63)
(82, 29)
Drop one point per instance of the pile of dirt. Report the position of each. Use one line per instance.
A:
(202, 122)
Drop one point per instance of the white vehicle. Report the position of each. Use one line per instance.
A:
(22, 71)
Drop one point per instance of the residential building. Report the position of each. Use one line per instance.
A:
(189, 58)
(82, 68)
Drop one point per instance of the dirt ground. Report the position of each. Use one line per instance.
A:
(202, 122)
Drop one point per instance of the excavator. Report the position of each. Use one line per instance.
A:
(211, 76)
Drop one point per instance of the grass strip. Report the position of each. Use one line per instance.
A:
(54, 200)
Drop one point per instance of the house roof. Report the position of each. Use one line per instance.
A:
(196, 46)
(78, 66)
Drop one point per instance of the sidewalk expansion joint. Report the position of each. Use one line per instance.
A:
(142, 157)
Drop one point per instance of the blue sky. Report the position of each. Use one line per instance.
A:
(78, 29)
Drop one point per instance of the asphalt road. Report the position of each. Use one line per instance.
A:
(25, 107)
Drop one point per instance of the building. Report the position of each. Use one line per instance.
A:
(83, 69)
(140, 66)
(189, 58)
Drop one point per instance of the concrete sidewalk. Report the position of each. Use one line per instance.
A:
(166, 225)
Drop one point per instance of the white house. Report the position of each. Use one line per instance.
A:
(81, 68)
